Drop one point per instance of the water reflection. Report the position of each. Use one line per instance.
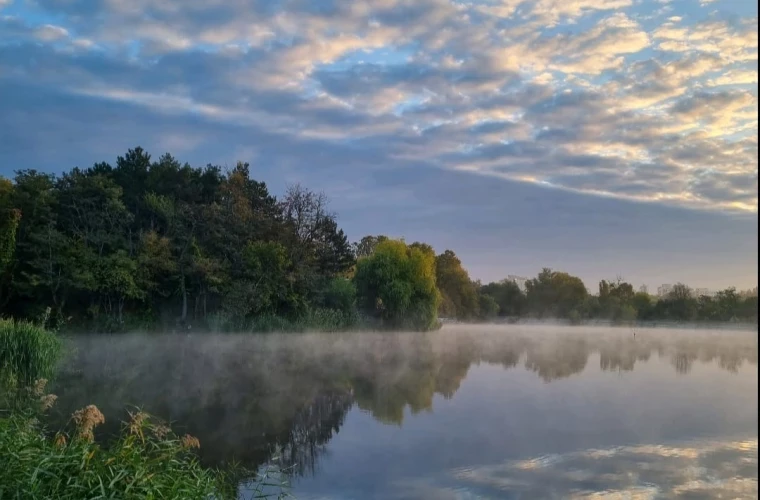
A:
(243, 395)
(699, 469)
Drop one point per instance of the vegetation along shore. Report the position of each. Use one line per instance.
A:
(158, 245)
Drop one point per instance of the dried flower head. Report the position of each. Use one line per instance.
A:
(47, 401)
(136, 422)
(60, 440)
(86, 420)
(38, 389)
(160, 431)
(189, 441)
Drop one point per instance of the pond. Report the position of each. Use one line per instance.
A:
(509, 411)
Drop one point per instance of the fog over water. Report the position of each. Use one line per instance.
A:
(508, 411)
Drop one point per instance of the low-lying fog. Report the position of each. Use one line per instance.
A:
(468, 411)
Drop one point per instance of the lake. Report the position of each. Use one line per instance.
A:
(508, 411)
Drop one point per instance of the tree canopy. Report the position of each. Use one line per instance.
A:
(155, 243)
(396, 285)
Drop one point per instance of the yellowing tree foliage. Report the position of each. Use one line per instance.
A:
(396, 285)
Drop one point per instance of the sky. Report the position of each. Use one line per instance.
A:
(599, 137)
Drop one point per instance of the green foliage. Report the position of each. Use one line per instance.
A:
(9, 220)
(555, 294)
(508, 297)
(459, 296)
(396, 284)
(104, 244)
(157, 244)
(146, 461)
(616, 301)
(367, 245)
(27, 352)
(340, 295)
(488, 307)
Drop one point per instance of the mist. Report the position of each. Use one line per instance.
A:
(246, 395)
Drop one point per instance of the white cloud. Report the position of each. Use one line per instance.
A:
(520, 87)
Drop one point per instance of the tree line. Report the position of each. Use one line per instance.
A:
(150, 243)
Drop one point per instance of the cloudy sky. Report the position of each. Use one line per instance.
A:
(600, 137)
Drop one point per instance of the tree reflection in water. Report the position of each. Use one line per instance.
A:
(244, 395)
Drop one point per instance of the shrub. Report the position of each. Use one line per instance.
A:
(27, 352)
(147, 460)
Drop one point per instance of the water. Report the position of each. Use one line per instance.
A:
(467, 412)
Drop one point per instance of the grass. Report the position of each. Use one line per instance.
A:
(146, 461)
(28, 352)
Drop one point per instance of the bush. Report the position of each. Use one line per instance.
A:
(147, 460)
(27, 352)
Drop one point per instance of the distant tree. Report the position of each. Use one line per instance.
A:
(396, 284)
(508, 296)
(9, 219)
(555, 294)
(727, 305)
(679, 305)
(488, 308)
(367, 245)
(340, 295)
(642, 303)
(459, 296)
(616, 300)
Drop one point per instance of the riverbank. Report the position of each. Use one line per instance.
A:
(145, 460)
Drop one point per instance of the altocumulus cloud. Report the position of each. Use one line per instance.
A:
(641, 101)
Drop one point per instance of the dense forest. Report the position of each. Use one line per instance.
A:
(156, 244)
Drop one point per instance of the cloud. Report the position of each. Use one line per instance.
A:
(698, 469)
(581, 96)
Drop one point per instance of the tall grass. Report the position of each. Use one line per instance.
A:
(147, 460)
(27, 352)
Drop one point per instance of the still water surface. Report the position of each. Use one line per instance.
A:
(509, 412)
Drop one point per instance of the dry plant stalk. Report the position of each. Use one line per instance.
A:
(86, 420)
(47, 401)
(38, 389)
(60, 440)
(189, 441)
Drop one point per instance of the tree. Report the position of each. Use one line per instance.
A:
(9, 219)
(396, 285)
(555, 294)
(367, 245)
(615, 300)
(459, 297)
(508, 297)
(488, 307)
(642, 302)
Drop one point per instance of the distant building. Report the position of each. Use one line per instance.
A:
(644, 289)
(663, 290)
(748, 293)
(518, 280)
(698, 292)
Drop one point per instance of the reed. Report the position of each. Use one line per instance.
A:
(147, 460)
(28, 352)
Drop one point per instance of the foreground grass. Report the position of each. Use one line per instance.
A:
(146, 461)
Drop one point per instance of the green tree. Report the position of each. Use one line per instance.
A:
(488, 307)
(459, 297)
(644, 306)
(396, 285)
(616, 300)
(555, 294)
(367, 245)
(508, 296)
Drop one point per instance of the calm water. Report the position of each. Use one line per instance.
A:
(466, 412)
